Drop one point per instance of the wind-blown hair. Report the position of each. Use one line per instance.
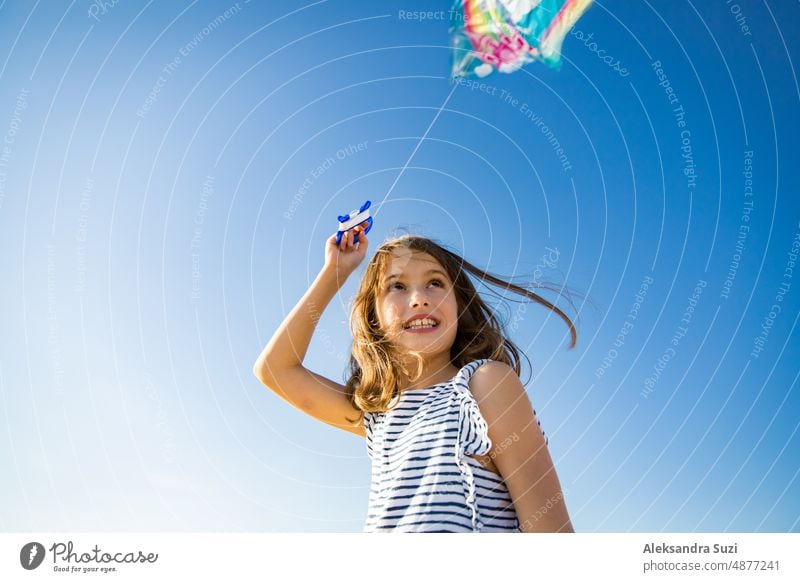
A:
(377, 367)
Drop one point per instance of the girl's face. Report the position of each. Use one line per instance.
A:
(416, 304)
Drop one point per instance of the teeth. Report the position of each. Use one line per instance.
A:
(417, 323)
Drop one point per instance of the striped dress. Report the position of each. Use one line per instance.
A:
(423, 477)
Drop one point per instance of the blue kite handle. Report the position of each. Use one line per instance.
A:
(352, 220)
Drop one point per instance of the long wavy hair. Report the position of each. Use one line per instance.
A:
(377, 368)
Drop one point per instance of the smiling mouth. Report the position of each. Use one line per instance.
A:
(426, 323)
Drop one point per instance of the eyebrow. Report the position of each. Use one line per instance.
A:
(428, 272)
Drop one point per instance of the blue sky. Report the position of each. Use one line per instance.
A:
(169, 173)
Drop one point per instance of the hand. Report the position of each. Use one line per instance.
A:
(344, 258)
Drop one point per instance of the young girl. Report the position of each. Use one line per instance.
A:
(434, 387)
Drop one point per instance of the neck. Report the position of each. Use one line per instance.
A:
(434, 371)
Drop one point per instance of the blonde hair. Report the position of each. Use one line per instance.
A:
(376, 365)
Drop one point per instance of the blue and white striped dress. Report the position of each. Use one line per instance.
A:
(423, 477)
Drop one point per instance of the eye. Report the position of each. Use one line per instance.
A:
(394, 286)
(438, 282)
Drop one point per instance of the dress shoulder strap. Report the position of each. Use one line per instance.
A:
(466, 372)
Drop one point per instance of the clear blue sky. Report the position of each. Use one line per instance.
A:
(169, 173)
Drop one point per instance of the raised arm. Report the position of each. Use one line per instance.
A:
(280, 365)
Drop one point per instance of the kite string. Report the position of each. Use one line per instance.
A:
(419, 143)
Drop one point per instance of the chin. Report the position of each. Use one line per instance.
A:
(428, 348)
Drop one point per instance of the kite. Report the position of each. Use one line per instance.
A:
(504, 35)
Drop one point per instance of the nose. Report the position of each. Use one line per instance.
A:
(419, 297)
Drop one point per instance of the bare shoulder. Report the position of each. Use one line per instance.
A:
(519, 449)
(496, 384)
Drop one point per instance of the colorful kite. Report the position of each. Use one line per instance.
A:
(504, 35)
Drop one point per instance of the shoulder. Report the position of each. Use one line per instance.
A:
(502, 400)
(496, 384)
(519, 449)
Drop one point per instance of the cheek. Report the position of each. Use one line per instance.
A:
(452, 307)
(379, 312)
(387, 313)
